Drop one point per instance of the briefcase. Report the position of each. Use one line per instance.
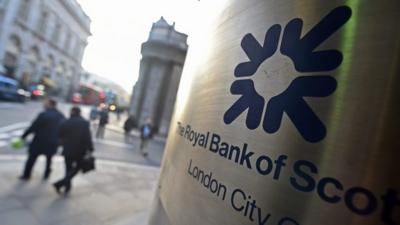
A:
(88, 164)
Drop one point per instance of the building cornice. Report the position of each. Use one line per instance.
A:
(71, 10)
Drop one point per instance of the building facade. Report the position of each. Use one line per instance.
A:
(43, 41)
(163, 56)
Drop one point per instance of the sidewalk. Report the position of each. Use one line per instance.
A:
(115, 194)
(134, 133)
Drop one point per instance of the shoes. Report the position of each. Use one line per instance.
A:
(57, 186)
(67, 189)
(24, 178)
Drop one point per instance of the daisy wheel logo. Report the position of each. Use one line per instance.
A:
(306, 59)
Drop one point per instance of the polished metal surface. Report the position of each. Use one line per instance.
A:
(319, 143)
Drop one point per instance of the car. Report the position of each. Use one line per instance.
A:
(10, 90)
(37, 91)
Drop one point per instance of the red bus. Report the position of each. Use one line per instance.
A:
(90, 95)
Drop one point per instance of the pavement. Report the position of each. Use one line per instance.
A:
(118, 192)
(114, 194)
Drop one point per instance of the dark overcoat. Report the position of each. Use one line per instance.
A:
(75, 137)
(45, 130)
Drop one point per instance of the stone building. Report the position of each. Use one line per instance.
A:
(163, 56)
(43, 41)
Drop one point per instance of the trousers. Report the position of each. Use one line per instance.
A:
(30, 163)
(72, 168)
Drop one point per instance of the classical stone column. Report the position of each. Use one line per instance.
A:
(169, 100)
(151, 97)
(138, 89)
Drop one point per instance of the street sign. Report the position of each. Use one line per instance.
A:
(290, 118)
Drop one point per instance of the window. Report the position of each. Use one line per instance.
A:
(56, 33)
(24, 9)
(72, 47)
(67, 42)
(77, 48)
(42, 23)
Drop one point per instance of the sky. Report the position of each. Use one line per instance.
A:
(119, 27)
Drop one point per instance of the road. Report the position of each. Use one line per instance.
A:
(16, 117)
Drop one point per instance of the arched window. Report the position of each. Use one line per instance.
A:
(31, 68)
(24, 9)
(43, 22)
(79, 48)
(67, 42)
(60, 70)
(51, 61)
(48, 66)
(13, 50)
(56, 33)
(72, 73)
(34, 55)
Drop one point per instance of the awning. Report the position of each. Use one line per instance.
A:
(49, 82)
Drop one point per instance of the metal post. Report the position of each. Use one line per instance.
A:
(291, 118)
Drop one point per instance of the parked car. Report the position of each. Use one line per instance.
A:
(37, 91)
(10, 91)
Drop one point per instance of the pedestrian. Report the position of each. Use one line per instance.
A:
(129, 124)
(103, 120)
(45, 141)
(146, 133)
(118, 111)
(93, 113)
(76, 141)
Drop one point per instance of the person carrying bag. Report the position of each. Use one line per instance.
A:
(77, 144)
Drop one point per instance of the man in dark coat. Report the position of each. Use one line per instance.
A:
(45, 140)
(76, 141)
(103, 120)
(129, 124)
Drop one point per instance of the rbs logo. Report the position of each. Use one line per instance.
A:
(301, 50)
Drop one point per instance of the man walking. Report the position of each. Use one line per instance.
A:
(146, 133)
(129, 124)
(45, 140)
(76, 141)
(103, 120)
